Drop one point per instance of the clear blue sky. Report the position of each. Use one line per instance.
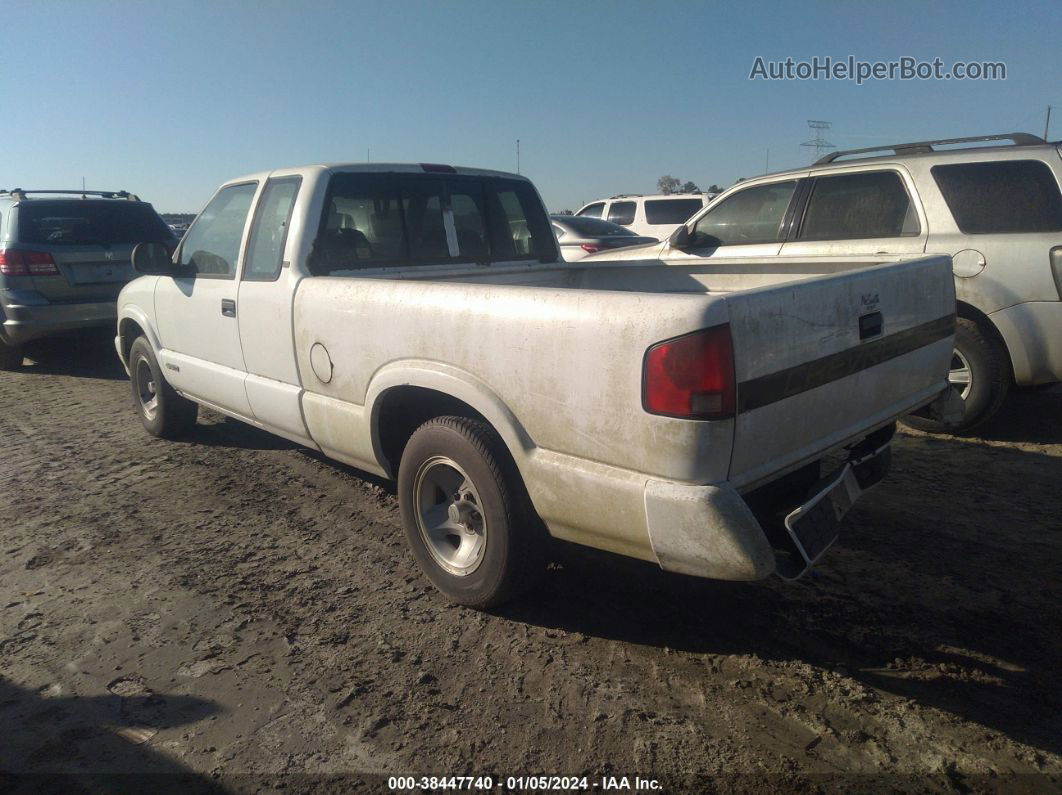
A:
(170, 98)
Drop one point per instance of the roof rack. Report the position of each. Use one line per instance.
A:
(921, 147)
(626, 196)
(20, 193)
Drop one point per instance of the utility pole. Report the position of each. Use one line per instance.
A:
(517, 155)
(767, 162)
(368, 154)
(1047, 123)
(818, 142)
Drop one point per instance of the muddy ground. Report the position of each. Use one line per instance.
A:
(235, 611)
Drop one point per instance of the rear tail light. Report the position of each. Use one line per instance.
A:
(691, 377)
(590, 248)
(27, 263)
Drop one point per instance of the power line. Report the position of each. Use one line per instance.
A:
(818, 142)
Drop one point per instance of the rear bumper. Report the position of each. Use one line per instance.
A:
(1033, 334)
(26, 316)
(706, 531)
(710, 531)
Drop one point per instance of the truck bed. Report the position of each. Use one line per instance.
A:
(588, 327)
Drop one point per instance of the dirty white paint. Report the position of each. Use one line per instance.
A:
(552, 355)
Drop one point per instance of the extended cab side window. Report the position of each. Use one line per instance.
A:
(269, 230)
(212, 244)
(855, 206)
(1001, 196)
(753, 215)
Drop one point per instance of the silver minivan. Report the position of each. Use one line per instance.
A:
(64, 257)
(994, 207)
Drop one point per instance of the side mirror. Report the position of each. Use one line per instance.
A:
(680, 238)
(153, 259)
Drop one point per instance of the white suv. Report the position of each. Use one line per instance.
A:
(995, 209)
(651, 216)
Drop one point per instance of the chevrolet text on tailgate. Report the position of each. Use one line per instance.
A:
(417, 322)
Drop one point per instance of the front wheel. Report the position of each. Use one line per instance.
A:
(165, 414)
(467, 517)
(979, 373)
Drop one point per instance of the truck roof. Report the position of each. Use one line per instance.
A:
(383, 168)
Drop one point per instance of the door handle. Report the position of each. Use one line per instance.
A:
(228, 307)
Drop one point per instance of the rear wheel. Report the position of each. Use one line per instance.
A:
(979, 373)
(10, 356)
(165, 414)
(466, 514)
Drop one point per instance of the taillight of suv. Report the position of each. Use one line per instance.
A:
(14, 262)
(691, 377)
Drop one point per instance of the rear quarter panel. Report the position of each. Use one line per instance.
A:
(556, 371)
(566, 365)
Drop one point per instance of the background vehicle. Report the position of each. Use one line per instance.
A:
(416, 321)
(579, 236)
(652, 216)
(64, 260)
(995, 209)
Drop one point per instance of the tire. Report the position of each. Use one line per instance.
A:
(482, 549)
(10, 356)
(983, 358)
(165, 414)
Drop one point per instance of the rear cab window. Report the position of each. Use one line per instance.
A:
(397, 220)
(868, 204)
(670, 211)
(1002, 196)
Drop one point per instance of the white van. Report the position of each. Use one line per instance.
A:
(652, 216)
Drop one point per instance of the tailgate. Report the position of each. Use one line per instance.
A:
(822, 361)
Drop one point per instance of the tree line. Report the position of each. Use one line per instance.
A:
(668, 184)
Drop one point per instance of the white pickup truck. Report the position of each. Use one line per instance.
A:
(417, 322)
